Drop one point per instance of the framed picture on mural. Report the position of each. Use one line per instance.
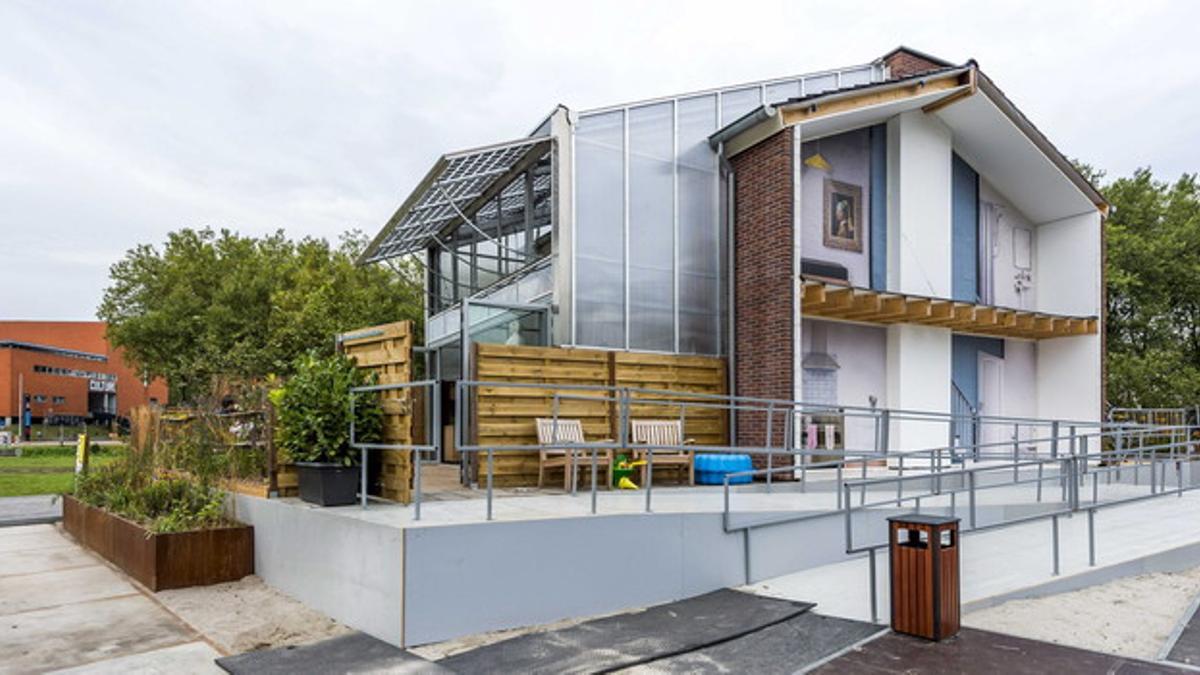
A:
(843, 216)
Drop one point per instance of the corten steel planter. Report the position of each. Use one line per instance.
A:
(328, 484)
(162, 561)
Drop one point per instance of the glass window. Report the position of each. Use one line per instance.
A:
(600, 230)
(699, 290)
(652, 227)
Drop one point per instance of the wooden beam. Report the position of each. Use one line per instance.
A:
(804, 112)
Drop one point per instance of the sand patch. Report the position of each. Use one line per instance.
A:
(1132, 616)
(247, 615)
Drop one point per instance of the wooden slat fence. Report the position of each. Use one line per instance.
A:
(386, 350)
(506, 415)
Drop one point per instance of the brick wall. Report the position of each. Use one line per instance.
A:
(905, 64)
(763, 285)
(84, 336)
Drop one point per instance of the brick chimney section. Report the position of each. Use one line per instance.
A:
(903, 62)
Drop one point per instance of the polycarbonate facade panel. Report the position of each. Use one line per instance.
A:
(600, 229)
(699, 258)
(652, 227)
(650, 250)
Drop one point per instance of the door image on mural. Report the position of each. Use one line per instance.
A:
(991, 393)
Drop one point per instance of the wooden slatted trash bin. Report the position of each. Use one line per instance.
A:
(926, 601)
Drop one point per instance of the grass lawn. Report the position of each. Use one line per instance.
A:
(44, 474)
(19, 485)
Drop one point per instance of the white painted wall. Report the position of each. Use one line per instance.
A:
(1067, 264)
(1068, 259)
(1004, 268)
(1068, 378)
(919, 151)
(918, 378)
(1020, 384)
(849, 157)
(861, 353)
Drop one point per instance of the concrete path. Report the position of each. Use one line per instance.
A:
(30, 510)
(61, 608)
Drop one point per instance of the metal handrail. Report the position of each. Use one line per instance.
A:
(413, 450)
(1072, 474)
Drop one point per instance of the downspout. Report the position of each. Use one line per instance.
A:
(731, 299)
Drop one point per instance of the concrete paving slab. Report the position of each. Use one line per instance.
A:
(80, 633)
(25, 592)
(31, 537)
(354, 653)
(629, 639)
(982, 653)
(781, 648)
(44, 560)
(28, 510)
(192, 658)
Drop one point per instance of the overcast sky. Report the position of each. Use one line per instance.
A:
(121, 121)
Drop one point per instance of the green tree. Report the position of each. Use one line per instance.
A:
(1153, 286)
(219, 303)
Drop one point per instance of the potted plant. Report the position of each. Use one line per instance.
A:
(314, 426)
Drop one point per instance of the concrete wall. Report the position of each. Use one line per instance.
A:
(347, 568)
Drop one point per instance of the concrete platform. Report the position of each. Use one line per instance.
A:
(454, 573)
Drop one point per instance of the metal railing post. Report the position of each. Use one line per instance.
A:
(595, 479)
(770, 453)
(1039, 481)
(971, 495)
(1054, 439)
(874, 605)
(1091, 537)
(490, 452)
(416, 454)
(1054, 532)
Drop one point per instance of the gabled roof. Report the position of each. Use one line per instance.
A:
(930, 90)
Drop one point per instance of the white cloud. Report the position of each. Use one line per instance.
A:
(121, 122)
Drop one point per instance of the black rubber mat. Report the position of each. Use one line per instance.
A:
(624, 640)
(982, 653)
(785, 647)
(354, 653)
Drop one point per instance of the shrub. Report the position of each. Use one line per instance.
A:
(314, 410)
(158, 504)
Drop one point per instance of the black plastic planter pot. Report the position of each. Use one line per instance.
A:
(328, 484)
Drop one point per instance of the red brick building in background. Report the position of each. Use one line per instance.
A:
(69, 370)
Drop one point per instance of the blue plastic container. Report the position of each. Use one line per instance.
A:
(712, 468)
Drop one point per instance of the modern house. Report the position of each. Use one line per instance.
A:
(895, 234)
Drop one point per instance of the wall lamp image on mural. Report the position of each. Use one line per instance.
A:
(843, 216)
